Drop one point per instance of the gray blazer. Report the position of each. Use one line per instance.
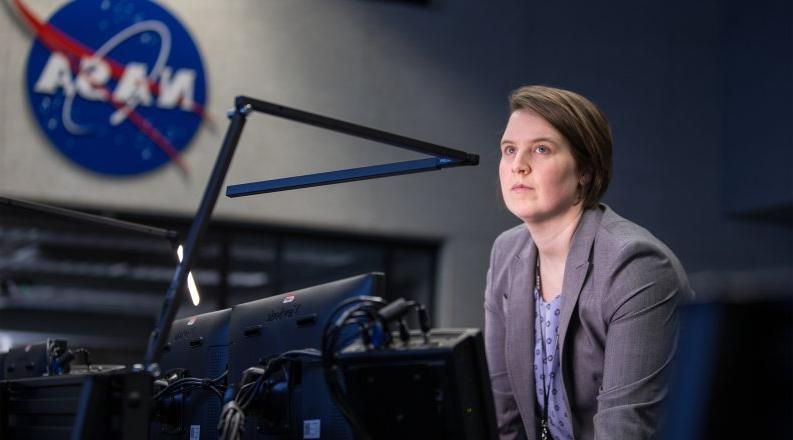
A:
(617, 328)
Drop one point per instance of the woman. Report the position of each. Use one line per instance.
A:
(580, 306)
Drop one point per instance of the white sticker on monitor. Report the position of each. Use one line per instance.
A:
(311, 428)
(195, 432)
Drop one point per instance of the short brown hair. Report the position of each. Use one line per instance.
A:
(582, 124)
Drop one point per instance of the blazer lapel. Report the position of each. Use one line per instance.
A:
(520, 333)
(576, 269)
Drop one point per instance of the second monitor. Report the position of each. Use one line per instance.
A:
(298, 404)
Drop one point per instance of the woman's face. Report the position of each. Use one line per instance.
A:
(539, 180)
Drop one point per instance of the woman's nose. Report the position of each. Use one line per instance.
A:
(520, 164)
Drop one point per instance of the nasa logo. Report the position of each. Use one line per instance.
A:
(117, 86)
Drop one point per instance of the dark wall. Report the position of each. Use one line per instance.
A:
(756, 54)
(699, 98)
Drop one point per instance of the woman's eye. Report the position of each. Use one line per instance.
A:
(509, 150)
(542, 149)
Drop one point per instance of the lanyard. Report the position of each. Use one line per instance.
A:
(545, 431)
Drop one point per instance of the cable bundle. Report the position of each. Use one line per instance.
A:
(372, 317)
(255, 383)
(186, 384)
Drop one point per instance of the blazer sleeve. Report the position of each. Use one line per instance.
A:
(508, 418)
(642, 293)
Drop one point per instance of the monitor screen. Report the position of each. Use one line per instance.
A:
(262, 329)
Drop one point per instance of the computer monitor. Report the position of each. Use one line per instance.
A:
(436, 388)
(34, 360)
(197, 347)
(262, 329)
(111, 404)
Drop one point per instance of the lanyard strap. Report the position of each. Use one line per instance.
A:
(545, 389)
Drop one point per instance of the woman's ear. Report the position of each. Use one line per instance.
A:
(584, 179)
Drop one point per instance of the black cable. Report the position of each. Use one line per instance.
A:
(185, 387)
(368, 314)
(424, 322)
(366, 307)
(187, 384)
(232, 421)
(86, 357)
(404, 335)
(349, 312)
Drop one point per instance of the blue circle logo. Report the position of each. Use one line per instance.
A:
(118, 87)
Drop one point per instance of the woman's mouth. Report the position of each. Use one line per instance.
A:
(521, 187)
